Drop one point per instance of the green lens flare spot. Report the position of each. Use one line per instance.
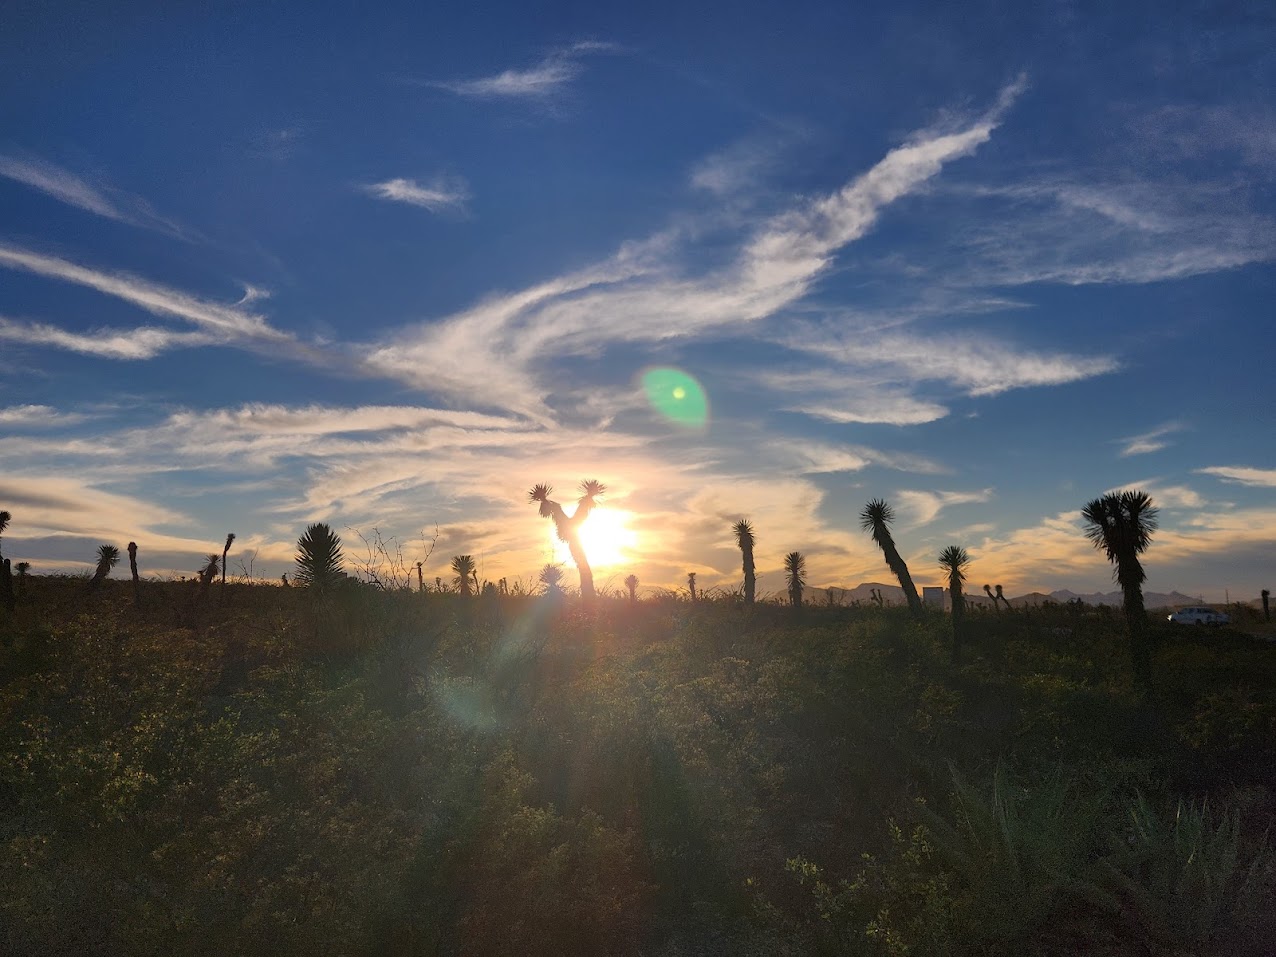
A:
(676, 396)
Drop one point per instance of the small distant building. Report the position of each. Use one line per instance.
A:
(933, 595)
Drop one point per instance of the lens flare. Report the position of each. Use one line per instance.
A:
(677, 396)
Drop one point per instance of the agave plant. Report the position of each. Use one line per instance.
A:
(1120, 524)
(318, 558)
(631, 582)
(954, 561)
(108, 556)
(464, 568)
(551, 576)
(876, 519)
(568, 527)
(744, 538)
(795, 574)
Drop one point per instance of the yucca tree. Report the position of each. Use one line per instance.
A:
(1120, 524)
(551, 577)
(691, 584)
(318, 558)
(1001, 597)
(744, 538)
(464, 568)
(420, 577)
(225, 552)
(4, 523)
(631, 582)
(954, 561)
(876, 519)
(22, 568)
(795, 574)
(108, 556)
(568, 528)
(132, 567)
(996, 606)
(208, 573)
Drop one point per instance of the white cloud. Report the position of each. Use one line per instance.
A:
(923, 507)
(142, 343)
(37, 416)
(540, 81)
(438, 196)
(1151, 441)
(1242, 475)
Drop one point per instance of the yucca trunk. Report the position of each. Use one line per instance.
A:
(132, 567)
(1130, 577)
(6, 585)
(959, 615)
(900, 570)
(225, 552)
(582, 566)
(750, 578)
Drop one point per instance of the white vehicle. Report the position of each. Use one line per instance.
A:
(1199, 616)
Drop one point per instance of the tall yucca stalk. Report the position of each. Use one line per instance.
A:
(996, 605)
(4, 523)
(108, 556)
(1120, 524)
(876, 519)
(132, 567)
(568, 527)
(954, 561)
(795, 573)
(226, 552)
(463, 567)
(631, 582)
(318, 558)
(691, 584)
(744, 538)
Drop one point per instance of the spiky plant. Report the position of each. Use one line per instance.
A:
(108, 556)
(744, 538)
(551, 576)
(4, 523)
(876, 519)
(1120, 524)
(226, 551)
(631, 582)
(996, 606)
(464, 568)
(208, 573)
(691, 584)
(319, 558)
(568, 527)
(795, 574)
(954, 561)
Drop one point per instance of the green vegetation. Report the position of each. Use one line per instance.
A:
(403, 773)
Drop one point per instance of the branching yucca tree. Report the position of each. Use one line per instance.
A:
(318, 558)
(795, 573)
(464, 568)
(1000, 596)
(108, 556)
(225, 552)
(691, 585)
(876, 519)
(744, 538)
(631, 582)
(568, 528)
(1120, 524)
(996, 606)
(954, 560)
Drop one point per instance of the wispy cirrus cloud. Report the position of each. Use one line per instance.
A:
(1242, 475)
(66, 187)
(437, 196)
(923, 507)
(539, 81)
(38, 417)
(145, 342)
(1151, 441)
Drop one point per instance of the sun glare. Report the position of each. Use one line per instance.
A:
(607, 538)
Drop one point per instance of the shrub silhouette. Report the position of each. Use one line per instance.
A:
(318, 558)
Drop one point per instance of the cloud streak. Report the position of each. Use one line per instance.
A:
(439, 196)
(540, 81)
(1242, 475)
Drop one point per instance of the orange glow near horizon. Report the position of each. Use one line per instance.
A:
(606, 536)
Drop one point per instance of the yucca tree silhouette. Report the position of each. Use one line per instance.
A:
(954, 561)
(691, 584)
(568, 528)
(225, 552)
(318, 558)
(631, 582)
(551, 577)
(1002, 598)
(1120, 524)
(744, 538)
(208, 574)
(876, 519)
(108, 556)
(795, 574)
(4, 523)
(464, 568)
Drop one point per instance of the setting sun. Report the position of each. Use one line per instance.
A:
(606, 536)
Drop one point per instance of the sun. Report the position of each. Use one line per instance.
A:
(606, 536)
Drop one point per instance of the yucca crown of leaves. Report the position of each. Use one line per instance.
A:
(319, 557)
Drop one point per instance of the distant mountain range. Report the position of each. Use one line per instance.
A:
(894, 595)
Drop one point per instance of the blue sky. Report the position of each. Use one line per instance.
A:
(282, 263)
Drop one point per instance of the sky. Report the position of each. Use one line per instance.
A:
(267, 264)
